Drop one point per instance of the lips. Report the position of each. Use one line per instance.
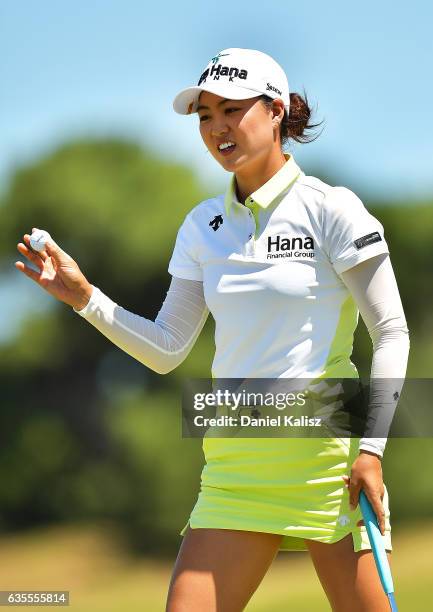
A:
(228, 150)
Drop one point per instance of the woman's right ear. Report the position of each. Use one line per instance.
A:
(278, 110)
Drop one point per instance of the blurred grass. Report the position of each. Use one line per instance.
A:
(91, 562)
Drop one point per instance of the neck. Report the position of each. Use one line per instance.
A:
(248, 181)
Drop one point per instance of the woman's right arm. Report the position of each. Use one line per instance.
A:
(160, 345)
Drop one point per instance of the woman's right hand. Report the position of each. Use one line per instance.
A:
(57, 273)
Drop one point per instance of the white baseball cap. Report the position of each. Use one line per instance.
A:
(237, 74)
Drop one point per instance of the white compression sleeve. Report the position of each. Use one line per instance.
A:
(161, 344)
(374, 288)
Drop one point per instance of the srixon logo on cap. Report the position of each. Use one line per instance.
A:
(218, 71)
(270, 87)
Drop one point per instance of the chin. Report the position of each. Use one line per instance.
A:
(232, 164)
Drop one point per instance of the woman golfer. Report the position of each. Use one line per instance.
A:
(285, 263)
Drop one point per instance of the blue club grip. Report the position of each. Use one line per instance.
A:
(378, 547)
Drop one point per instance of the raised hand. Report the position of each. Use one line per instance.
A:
(57, 273)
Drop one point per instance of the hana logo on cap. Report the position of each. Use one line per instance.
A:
(246, 73)
(218, 70)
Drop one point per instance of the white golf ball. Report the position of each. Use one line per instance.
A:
(38, 240)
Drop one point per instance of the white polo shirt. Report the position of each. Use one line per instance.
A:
(270, 272)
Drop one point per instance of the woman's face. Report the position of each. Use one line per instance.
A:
(248, 124)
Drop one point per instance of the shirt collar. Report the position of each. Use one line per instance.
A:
(267, 193)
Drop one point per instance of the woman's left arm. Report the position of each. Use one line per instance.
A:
(373, 286)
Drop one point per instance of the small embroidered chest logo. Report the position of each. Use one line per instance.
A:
(216, 222)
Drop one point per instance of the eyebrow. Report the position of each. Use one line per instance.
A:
(201, 107)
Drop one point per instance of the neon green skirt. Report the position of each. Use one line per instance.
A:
(287, 486)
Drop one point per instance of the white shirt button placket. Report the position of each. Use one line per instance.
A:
(251, 240)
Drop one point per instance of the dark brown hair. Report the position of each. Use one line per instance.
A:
(298, 122)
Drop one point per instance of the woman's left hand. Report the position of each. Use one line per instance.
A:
(366, 474)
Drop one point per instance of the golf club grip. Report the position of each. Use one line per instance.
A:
(376, 541)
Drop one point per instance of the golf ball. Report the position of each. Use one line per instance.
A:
(38, 240)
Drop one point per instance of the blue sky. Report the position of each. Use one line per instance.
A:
(113, 67)
(109, 67)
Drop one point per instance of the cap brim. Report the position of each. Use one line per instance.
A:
(186, 101)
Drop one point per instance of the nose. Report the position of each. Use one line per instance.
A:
(219, 127)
